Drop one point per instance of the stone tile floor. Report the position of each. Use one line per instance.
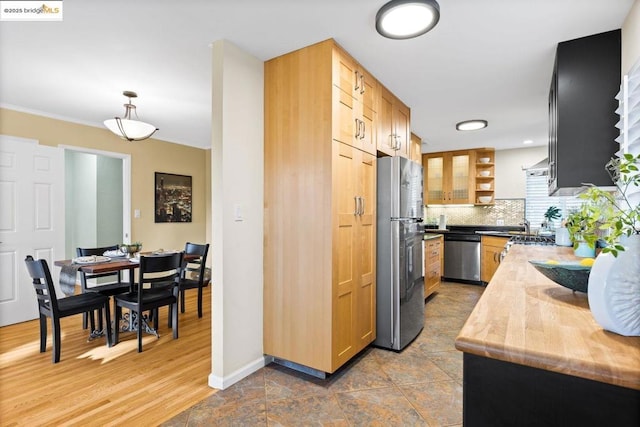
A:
(420, 386)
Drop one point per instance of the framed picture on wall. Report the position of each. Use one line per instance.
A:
(173, 198)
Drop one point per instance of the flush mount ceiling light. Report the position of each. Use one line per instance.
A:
(405, 19)
(128, 128)
(471, 125)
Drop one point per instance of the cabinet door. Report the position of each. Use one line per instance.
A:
(386, 140)
(459, 190)
(401, 120)
(367, 100)
(365, 250)
(345, 274)
(492, 247)
(416, 148)
(434, 191)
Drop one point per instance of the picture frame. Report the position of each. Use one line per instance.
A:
(173, 197)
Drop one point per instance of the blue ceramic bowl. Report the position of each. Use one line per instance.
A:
(569, 274)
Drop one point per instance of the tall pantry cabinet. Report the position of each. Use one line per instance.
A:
(320, 201)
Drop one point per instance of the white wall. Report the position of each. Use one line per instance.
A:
(510, 178)
(631, 38)
(237, 180)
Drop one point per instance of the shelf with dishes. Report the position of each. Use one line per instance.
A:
(485, 177)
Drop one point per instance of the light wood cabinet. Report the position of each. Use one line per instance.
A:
(416, 148)
(491, 248)
(449, 177)
(355, 103)
(320, 201)
(433, 261)
(459, 177)
(394, 117)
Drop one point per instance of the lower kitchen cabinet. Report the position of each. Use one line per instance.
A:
(433, 260)
(492, 247)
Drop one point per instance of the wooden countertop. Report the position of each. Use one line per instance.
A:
(527, 319)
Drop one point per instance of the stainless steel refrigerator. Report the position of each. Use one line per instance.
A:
(400, 280)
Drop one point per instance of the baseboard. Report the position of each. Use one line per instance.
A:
(221, 383)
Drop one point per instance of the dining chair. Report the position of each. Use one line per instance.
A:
(155, 269)
(193, 273)
(113, 287)
(50, 306)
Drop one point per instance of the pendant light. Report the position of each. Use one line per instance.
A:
(127, 127)
(406, 19)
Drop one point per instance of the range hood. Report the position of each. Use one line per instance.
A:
(539, 169)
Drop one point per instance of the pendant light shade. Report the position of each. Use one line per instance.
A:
(405, 19)
(128, 128)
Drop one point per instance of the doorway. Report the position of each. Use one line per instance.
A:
(93, 201)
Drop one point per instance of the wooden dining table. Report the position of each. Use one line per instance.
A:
(114, 265)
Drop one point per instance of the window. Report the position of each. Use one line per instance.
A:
(538, 200)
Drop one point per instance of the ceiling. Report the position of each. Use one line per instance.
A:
(487, 59)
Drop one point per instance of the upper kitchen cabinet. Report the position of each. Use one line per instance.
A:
(416, 148)
(449, 177)
(319, 209)
(582, 105)
(394, 132)
(355, 103)
(459, 177)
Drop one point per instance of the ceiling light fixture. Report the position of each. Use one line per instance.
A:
(128, 128)
(406, 19)
(527, 141)
(471, 125)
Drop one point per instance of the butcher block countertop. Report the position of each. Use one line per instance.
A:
(527, 319)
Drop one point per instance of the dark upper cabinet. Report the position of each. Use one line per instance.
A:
(582, 105)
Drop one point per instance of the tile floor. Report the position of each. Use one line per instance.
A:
(420, 386)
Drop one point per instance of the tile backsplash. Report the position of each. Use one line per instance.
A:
(503, 212)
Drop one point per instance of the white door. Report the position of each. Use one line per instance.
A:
(31, 221)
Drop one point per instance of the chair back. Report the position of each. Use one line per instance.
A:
(160, 269)
(199, 265)
(97, 251)
(43, 285)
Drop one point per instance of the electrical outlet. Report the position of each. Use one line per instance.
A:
(500, 222)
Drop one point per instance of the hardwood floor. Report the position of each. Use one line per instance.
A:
(96, 385)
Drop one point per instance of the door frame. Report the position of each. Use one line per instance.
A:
(126, 183)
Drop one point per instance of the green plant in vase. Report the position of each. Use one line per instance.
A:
(553, 212)
(607, 215)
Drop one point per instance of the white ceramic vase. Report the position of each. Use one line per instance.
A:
(614, 289)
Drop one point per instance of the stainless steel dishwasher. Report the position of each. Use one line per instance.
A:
(462, 257)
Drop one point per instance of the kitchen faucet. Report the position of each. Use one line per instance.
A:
(527, 225)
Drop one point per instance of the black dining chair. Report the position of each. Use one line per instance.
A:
(50, 306)
(193, 273)
(114, 285)
(154, 270)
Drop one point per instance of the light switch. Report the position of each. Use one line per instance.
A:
(136, 213)
(237, 212)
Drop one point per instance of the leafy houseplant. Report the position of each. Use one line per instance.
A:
(552, 213)
(604, 212)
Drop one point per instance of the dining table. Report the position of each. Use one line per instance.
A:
(70, 267)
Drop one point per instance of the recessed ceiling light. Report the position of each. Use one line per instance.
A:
(471, 125)
(527, 141)
(405, 19)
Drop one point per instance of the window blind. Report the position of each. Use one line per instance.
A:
(538, 201)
